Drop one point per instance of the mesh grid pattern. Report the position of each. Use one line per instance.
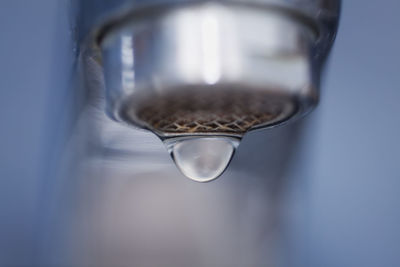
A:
(221, 111)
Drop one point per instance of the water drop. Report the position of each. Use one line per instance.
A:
(202, 159)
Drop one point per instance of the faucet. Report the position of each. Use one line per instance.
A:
(201, 74)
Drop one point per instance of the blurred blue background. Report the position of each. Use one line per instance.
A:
(346, 166)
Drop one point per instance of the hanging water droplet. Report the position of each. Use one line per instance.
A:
(202, 159)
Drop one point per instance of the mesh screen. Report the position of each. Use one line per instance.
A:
(219, 111)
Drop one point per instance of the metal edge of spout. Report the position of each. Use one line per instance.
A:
(94, 14)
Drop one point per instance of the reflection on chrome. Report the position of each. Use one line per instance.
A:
(128, 62)
(211, 47)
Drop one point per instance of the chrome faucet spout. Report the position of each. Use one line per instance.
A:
(210, 68)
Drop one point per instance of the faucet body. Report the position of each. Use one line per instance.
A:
(209, 67)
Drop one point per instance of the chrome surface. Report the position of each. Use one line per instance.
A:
(199, 64)
(172, 67)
